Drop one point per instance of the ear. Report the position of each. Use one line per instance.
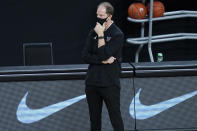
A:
(110, 17)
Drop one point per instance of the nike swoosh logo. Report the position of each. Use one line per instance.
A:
(144, 112)
(26, 115)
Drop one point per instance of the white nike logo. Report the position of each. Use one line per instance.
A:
(144, 112)
(26, 115)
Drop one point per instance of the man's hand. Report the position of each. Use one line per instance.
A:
(99, 29)
(109, 61)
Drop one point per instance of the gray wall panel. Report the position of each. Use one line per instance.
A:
(170, 91)
(46, 93)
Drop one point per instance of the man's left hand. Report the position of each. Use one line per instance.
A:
(99, 29)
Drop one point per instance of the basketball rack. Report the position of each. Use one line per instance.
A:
(141, 41)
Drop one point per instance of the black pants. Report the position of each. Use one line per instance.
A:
(111, 96)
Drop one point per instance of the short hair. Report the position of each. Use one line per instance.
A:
(109, 8)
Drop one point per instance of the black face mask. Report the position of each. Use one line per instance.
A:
(101, 21)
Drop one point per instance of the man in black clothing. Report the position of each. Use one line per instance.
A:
(103, 54)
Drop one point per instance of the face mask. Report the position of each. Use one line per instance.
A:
(101, 21)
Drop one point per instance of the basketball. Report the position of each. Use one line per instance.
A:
(137, 11)
(158, 8)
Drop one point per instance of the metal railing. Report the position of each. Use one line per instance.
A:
(141, 41)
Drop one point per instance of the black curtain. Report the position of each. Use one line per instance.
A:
(67, 23)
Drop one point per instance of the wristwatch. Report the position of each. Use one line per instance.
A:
(101, 37)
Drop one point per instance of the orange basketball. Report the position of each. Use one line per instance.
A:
(137, 10)
(158, 9)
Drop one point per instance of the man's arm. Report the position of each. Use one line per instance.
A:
(88, 57)
(94, 59)
(111, 48)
